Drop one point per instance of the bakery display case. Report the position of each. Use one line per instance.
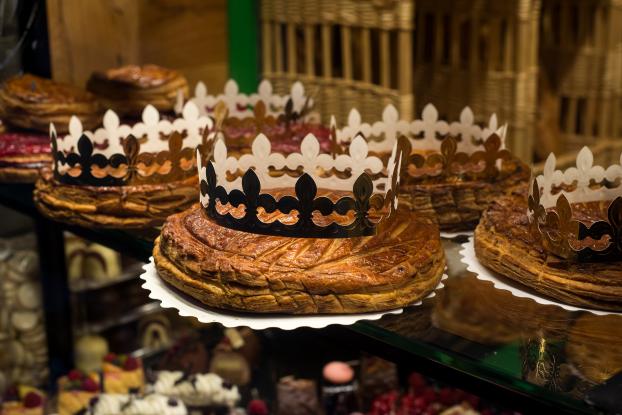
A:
(182, 232)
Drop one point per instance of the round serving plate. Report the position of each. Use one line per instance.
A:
(169, 297)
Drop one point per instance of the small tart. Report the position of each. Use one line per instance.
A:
(130, 88)
(457, 203)
(22, 155)
(31, 102)
(235, 270)
(137, 206)
(505, 244)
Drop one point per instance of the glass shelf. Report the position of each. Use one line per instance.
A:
(468, 331)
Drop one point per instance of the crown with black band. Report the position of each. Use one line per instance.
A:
(334, 196)
(152, 151)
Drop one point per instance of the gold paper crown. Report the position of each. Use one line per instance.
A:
(148, 152)
(333, 196)
(577, 213)
(440, 148)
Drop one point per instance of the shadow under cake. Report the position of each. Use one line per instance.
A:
(242, 271)
(134, 206)
(505, 244)
(457, 202)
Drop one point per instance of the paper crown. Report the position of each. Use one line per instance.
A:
(439, 147)
(577, 212)
(240, 105)
(148, 152)
(333, 196)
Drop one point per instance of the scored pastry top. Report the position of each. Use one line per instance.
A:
(144, 76)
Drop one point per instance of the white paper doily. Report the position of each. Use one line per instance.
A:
(187, 307)
(515, 288)
(452, 235)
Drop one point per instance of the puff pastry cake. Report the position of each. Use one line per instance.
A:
(22, 155)
(235, 270)
(30, 102)
(128, 89)
(133, 206)
(505, 244)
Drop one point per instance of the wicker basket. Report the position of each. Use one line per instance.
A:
(485, 54)
(346, 50)
(583, 71)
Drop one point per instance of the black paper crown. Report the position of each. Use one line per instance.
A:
(353, 193)
(149, 152)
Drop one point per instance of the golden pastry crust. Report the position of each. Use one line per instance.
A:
(31, 102)
(22, 168)
(458, 205)
(130, 88)
(241, 271)
(504, 243)
(139, 206)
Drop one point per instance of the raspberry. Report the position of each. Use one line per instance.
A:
(416, 381)
(89, 385)
(32, 400)
(74, 375)
(257, 407)
(131, 363)
(429, 394)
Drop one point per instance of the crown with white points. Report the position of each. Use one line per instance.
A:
(577, 213)
(440, 148)
(155, 150)
(240, 105)
(333, 196)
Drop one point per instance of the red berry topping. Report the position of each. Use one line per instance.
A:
(32, 400)
(257, 407)
(429, 394)
(75, 375)
(110, 358)
(131, 363)
(89, 385)
(417, 382)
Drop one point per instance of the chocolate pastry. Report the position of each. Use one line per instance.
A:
(505, 244)
(134, 206)
(128, 89)
(235, 270)
(457, 203)
(593, 346)
(22, 154)
(297, 397)
(30, 102)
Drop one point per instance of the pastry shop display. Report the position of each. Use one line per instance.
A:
(593, 346)
(122, 374)
(23, 400)
(128, 89)
(286, 119)
(76, 390)
(28, 102)
(206, 390)
(455, 168)
(22, 330)
(230, 364)
(89, 353)
(123, 176)
(358, 252)
(155, 332)
(559, 240)
(122, 404)
(477, 311)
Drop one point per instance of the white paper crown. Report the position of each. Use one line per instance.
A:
(426, 133)
(554, 197)
(241, 105)
(158, 144)
(241, 181)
